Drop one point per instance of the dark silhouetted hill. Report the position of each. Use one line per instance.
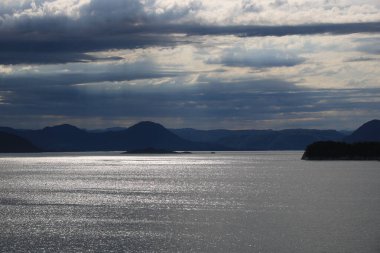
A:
(111, 129)
(330, 150)
(60, 138)
(142, 135)
(149, 134)
(368, 132)
(10, 143)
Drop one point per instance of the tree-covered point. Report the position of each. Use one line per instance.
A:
(330, 150)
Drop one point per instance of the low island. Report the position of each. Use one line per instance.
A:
(154, 151)
(330, 150)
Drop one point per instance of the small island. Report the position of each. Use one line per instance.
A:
(151, 150)
(330, 150)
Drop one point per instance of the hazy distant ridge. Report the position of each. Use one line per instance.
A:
(290, 139)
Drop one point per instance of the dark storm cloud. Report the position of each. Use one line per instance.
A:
(33, 57)
(283, 30)
(260, 99)
(26, 49)
(103, 25)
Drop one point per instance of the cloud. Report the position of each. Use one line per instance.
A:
(5, 70)
(32, 57)
(124, 14)
(257, 58)
(362, 59)
(217, 61)
(238, 100)
(62, 48)
(369, 45)
(49, 48)
(59, 31)
(77, 73)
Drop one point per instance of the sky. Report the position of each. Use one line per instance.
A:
(211, 64)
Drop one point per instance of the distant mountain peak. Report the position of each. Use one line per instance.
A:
(369, 131)
(146, 125)
(374, 122)
(373, 125)
(63, 127)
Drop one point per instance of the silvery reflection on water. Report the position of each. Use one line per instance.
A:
(224, 202)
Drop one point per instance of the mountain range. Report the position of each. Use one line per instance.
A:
(67, 138)
(290, 139)
(146, 134)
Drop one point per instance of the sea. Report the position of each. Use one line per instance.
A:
(199, 202)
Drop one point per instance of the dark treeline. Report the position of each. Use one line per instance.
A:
(330, 150)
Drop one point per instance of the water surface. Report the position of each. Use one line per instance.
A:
(224, 202)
